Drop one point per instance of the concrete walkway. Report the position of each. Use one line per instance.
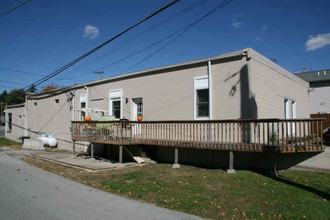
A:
(320, 162)
(27, 192)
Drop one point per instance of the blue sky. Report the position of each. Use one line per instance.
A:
(42, 36)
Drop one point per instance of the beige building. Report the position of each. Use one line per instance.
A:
(319, 83)
(237, 85)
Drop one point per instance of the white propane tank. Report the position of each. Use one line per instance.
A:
(46, 140)
(42, 138)
(52, 142)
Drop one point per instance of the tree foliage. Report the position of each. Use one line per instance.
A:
(3, 96)
(32, 89)
(49, 87)
(15, 96)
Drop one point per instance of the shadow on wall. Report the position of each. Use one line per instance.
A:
(249, 107)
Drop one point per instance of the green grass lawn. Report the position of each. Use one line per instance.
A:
(6, 142)
(214, 193)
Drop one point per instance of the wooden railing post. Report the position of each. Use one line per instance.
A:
(231, 163)
(176, 158)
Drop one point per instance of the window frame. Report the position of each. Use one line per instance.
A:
(82, 99)
(116, 95)
(10, 122)
(201, 83)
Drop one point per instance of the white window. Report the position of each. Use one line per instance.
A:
(82, 106)
(290, 109)
(115, 107)
(201, 98)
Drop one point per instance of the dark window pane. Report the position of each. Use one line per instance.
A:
(202, 95)
(10, 120)
(83, 105)
(116, 109)
(203, 103)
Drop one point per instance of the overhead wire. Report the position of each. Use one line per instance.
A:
(30, 73)
(184, 30)
(179, 33)
(58, 71)
(143, 33)
(13, 8)
(13, 82)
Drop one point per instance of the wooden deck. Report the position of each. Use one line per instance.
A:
(262, 135)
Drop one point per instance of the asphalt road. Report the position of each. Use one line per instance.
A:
(2, 131)
(27, 192)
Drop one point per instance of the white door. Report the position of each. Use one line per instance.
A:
(137, 110)
(290, 113)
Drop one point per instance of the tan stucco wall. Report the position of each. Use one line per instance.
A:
(271, 85)
(17, 123)
(50, 118)
(226, 90)
(166, 96)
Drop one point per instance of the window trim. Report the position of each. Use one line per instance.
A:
(133, 113)
(82, 98)
(10, 122)
(200, 87)
(116, 98)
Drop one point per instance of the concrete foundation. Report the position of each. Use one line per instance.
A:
(33, 144)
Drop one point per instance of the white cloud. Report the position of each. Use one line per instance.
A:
(264, 26)
(91, 31)
(236, 24)
(258, 39)
(317, 42)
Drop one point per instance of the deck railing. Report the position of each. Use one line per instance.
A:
(276, 135)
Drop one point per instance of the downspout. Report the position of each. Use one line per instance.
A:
(73, 106)
(6, 120)
(210, 88)
(210, 97)
(26, 116)
(87, 100)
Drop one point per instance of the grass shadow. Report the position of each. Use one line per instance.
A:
(282, 179)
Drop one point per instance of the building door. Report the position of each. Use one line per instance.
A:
(137, 110)
(290, 113)
(115, 108)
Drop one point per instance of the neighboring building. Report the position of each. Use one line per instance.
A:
(319, 83)
(15, 119)
(237, 85)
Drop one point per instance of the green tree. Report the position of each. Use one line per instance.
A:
(3, 96)
(15, 96)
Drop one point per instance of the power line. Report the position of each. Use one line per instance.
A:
(9, 87)
(13, 82)
(13, 8)
(33, 74)
(100, 46)
(178, 33)
(184, 30)
(148, 30)
(19, 71)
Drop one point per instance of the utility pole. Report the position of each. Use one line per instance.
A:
(98, 74)
(1, 113)
(305, 69)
